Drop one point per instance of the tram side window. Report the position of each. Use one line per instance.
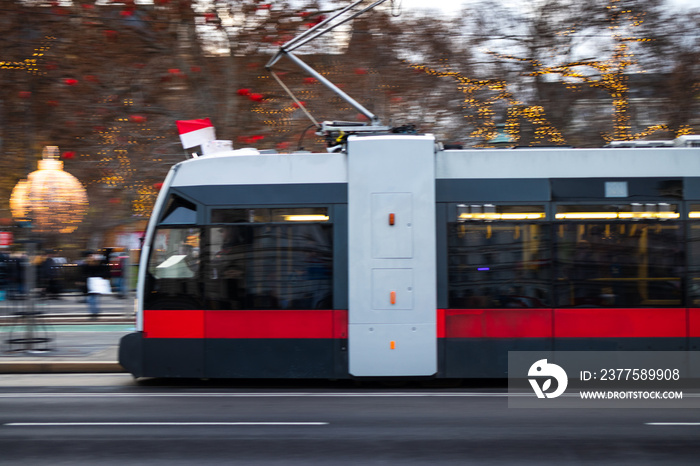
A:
(499, 257)
(694, 256)
(173, 269)
(616, 256)
(270, 259)
(174, 253)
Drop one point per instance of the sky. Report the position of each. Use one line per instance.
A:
(448, 6)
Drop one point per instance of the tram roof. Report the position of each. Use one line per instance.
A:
(230, 168)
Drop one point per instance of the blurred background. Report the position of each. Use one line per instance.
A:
(104, 82)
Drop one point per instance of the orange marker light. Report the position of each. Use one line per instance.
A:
(392, 219)
(392, 344)
(392, 297)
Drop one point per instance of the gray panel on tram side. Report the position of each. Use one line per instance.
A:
(691, 188)
(302, 358)
(637, 188)
(340, 256)
(266, 194)
(492, 190)
(488, 357)
(442, 219)
(173, 357)
(621, 344)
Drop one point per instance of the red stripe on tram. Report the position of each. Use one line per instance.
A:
(496, 323)
(620, 323)
(173, 324)
(694, 322)
(569, 323)
(246, 324)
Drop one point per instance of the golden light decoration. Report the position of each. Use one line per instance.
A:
(53, 200)
(495, 90)
(610, 75)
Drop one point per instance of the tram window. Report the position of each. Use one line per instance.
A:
(269, 266)
(174, 253)
(179, 212)
(496, 264)
(694, 256)
(270, 215)
(619, 263)
(632, 211)
(499, 212)
(694, 212)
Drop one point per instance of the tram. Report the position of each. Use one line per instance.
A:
(398, 258)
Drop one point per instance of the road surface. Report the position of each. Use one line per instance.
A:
(111, 419)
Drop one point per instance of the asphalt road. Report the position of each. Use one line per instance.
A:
(110, 419)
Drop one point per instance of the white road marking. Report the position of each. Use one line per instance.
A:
(265, 395)
(672, 423)
(81, 424)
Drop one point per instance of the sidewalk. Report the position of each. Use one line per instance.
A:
(63, 337)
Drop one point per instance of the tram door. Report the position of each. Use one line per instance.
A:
(391, 255)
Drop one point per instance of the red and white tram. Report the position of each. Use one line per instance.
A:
(397, 258)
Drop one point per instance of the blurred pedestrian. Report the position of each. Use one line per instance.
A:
(97, 282)
(48, 276)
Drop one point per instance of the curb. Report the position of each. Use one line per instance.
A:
(59, 367)
(49, 319)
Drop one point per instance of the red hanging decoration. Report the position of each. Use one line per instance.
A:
(69, 154)
(309, 80)
(137, 118)
(256, 97)
(243, 92)
(158, 186)
(24, 94)
(70, 81)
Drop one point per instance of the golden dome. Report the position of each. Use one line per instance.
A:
(52, 199)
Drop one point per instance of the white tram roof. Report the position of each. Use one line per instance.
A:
(249, 167)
